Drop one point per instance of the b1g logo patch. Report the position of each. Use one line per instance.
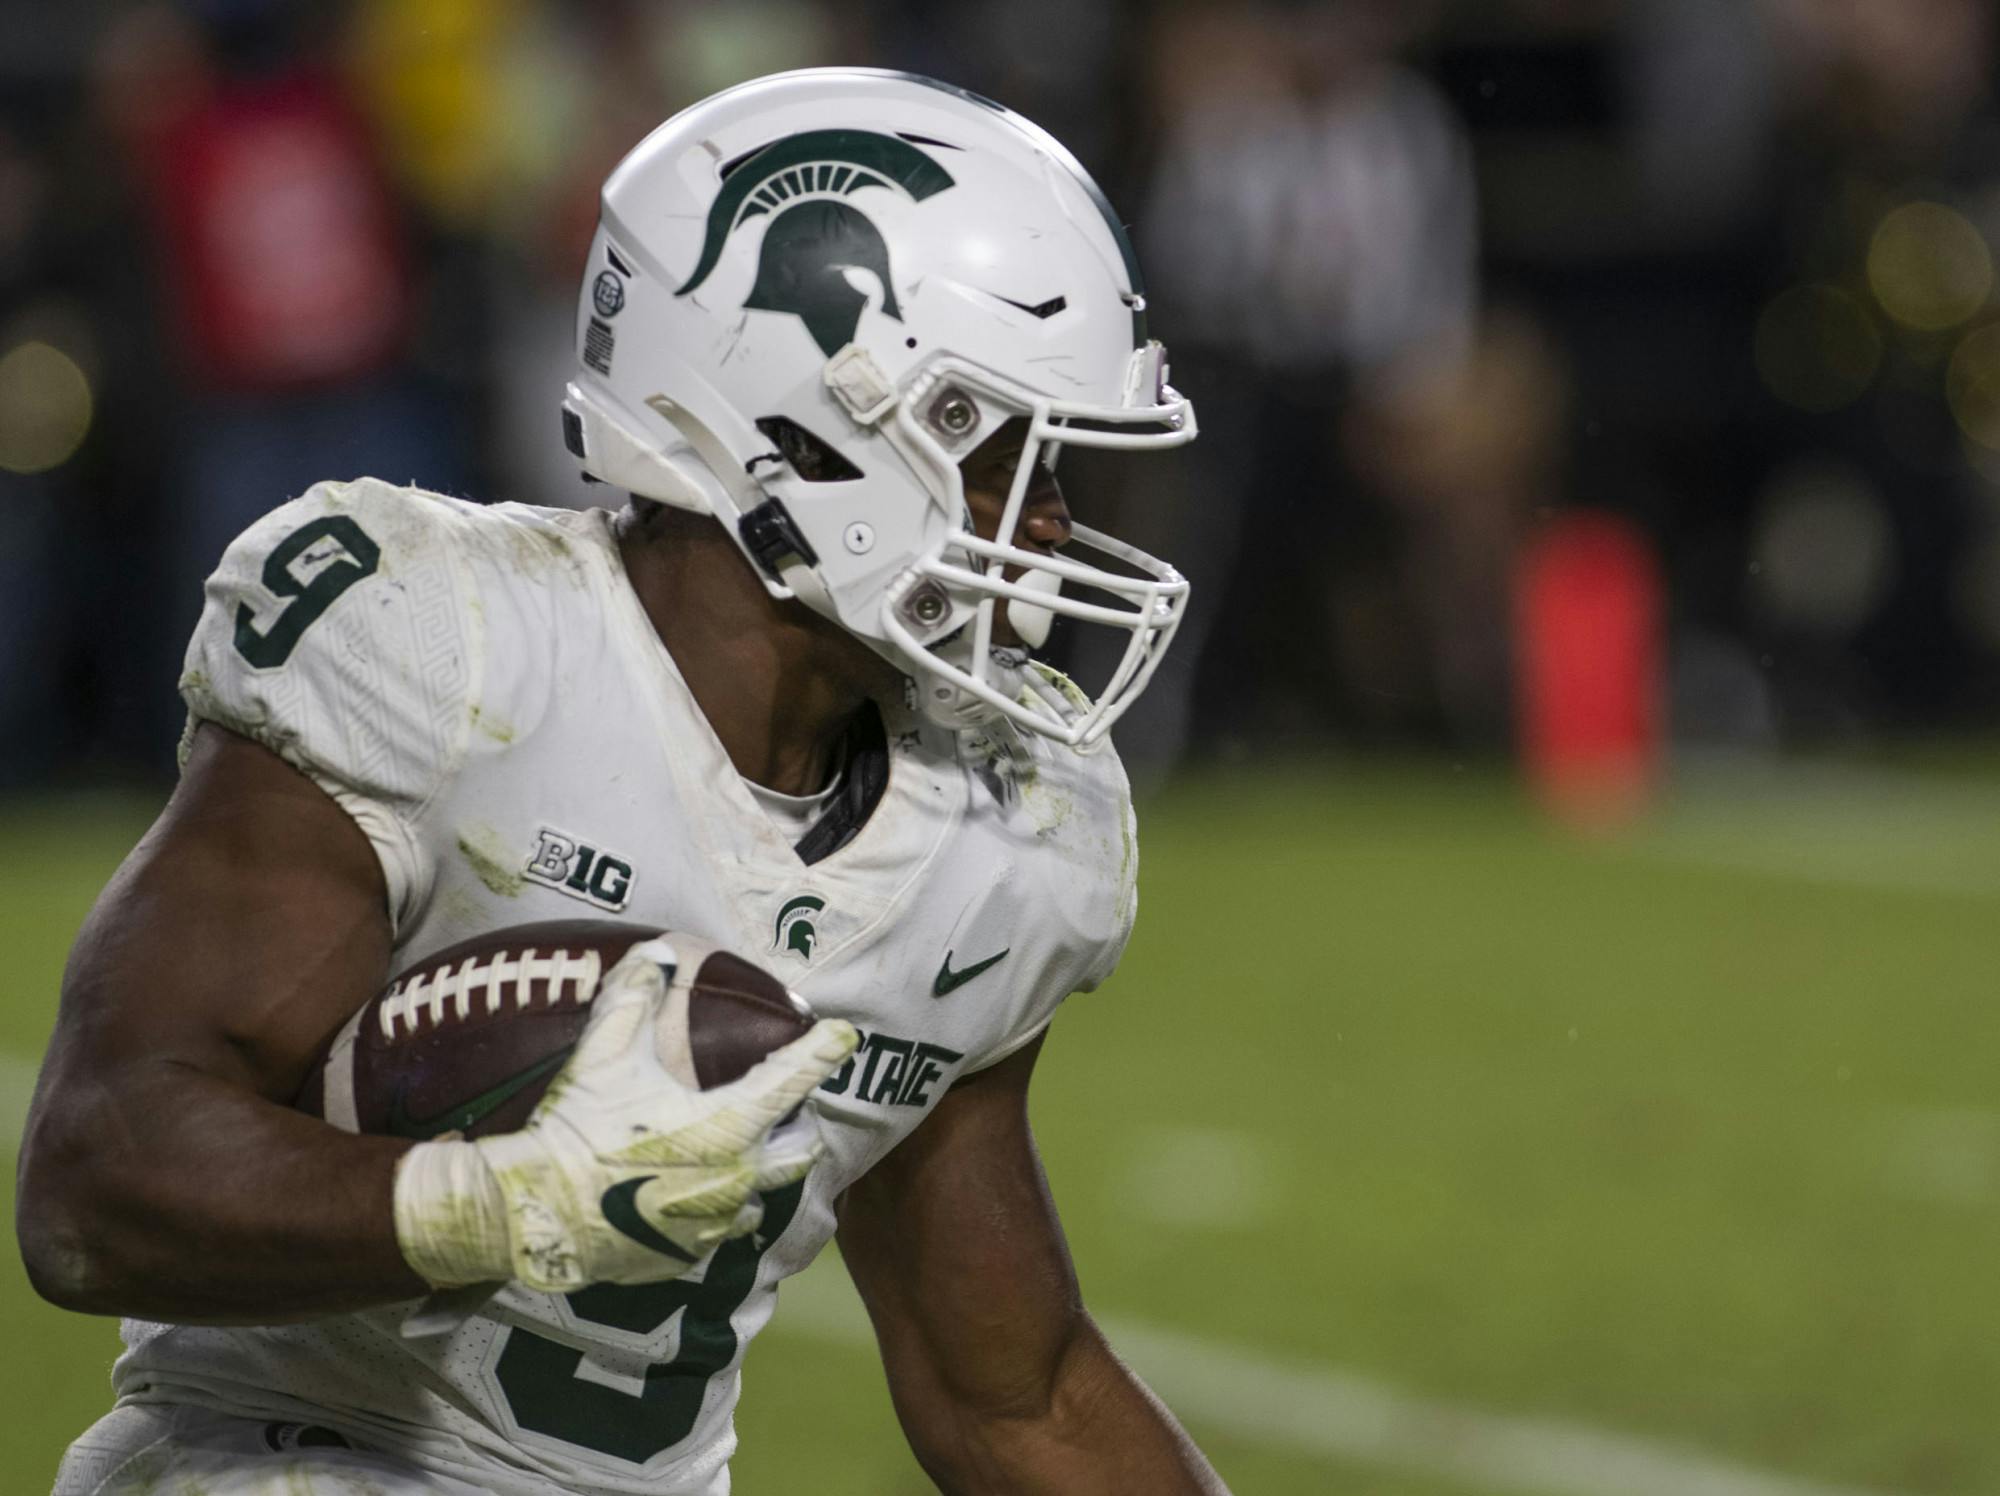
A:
(571, 866)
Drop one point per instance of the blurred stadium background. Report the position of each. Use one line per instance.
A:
(1557, 1054)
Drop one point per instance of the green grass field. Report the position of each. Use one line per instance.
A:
(1690, 1137)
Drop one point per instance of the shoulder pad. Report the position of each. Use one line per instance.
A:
(336, 632)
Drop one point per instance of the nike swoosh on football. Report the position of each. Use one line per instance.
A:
(463, 1116)
(621, 1209)
(950, 981)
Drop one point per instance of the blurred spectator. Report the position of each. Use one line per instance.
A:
(1062, 63)
(37, 435)
(1468, 450)
(1877, 331)
(284, 262)
(442, 81)
(282, 257)
(80, 398)
(1312, 209)
(1702, 76)
(1309, 234)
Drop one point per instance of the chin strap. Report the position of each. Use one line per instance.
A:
(612, 454)
(808, 588)
(696, 474)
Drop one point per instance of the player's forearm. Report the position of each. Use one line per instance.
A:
(1100, 1429)
(166, 1193)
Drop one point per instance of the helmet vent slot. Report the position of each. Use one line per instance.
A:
(1041, 309)
(807, 455)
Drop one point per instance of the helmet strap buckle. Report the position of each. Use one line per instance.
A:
(771, 535)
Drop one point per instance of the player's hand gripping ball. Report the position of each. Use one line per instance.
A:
(583, 1128)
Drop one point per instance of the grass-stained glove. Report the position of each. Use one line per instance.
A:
(623, 1174)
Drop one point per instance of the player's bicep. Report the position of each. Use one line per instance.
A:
(236, 938)
(954, 1244)
(161, 1172)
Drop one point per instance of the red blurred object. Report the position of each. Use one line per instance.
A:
(281, 240)
(1588, 618)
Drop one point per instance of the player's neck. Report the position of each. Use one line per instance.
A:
(778, 684)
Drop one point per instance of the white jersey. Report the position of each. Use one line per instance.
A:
(482, 691)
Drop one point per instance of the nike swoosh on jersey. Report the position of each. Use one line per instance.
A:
(461, 1117)
(950, 981)
(621, 1209)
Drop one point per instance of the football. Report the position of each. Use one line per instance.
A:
(465, 1042)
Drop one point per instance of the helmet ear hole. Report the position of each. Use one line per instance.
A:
(812, 458)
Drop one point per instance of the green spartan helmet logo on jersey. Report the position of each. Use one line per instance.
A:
(816, 237)
(793, 930)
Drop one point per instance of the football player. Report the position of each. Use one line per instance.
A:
(834, 329)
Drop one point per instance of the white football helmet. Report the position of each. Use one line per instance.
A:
(809, 298)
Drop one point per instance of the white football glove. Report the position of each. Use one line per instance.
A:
(623, 1173)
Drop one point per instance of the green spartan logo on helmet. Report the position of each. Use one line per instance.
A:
(816, 236)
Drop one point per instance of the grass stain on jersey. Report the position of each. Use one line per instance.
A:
(1050, 806)
(459, 905)
(1071, 692)
(1128, 835)
(490, 726)
(491, 862)
(537, 552)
